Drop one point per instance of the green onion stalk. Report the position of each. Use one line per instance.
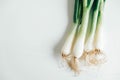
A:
(67, 47)
(78, 47)
(97, 56)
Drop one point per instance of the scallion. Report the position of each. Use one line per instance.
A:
(84, 40)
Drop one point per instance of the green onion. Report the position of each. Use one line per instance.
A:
(99, 28)
(67, 47)
(90, 38)
(98, 57)
(84, 39)
(80, 39)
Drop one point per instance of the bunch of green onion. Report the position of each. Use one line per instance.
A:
(85, 39)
